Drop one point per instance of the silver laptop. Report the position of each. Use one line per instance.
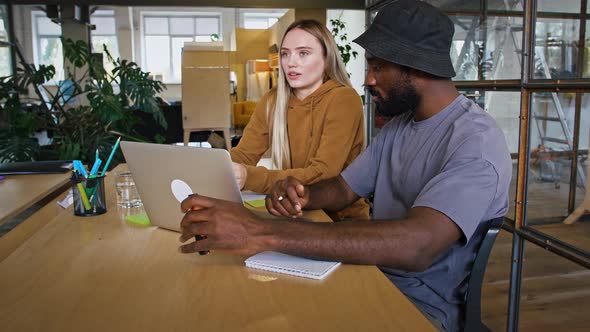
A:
(165, 174)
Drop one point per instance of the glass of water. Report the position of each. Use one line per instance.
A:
(127, 195)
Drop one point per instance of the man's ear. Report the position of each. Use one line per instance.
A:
(417, 77)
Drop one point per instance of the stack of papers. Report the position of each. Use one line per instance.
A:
(293, 265)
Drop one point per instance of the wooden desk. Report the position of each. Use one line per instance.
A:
(19, 192)
(104, 274)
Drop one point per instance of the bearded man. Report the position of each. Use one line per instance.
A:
(439, 171)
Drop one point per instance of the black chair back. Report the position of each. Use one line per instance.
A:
(472, 306)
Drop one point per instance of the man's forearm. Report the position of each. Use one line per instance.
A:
(411, 244)
(347, 242)
(331, 195)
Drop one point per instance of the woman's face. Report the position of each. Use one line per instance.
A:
(303, 62)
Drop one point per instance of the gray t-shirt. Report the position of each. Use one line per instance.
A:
(456, 162)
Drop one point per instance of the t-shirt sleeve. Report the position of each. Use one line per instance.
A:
(463, 191)
(361, 174)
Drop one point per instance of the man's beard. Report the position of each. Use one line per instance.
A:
(401, 98)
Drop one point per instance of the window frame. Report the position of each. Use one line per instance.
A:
(261, 16)
(109, 13)
(171, 79)
(36, 36)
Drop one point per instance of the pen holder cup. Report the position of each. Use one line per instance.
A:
(89, 196)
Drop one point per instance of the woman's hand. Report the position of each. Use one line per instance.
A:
(240, 173)
(287, 198)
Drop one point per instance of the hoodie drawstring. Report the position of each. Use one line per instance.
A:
(311, 111)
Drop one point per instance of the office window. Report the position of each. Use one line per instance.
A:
(105, 34)
(260, 20)
(164, 37)
(5, 69)
(47, 46)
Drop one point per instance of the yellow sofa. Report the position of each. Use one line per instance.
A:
(242, 112)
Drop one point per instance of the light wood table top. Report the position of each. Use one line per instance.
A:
(104, 274)
(19, 192)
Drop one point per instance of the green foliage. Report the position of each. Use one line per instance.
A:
(17, 127)
(341, 39)
(102, 111)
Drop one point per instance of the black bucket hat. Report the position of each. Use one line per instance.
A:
(414, 34)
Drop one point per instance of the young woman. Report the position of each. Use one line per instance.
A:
(312, 122)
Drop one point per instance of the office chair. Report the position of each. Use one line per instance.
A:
(472, 306)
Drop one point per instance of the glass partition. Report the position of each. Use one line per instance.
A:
(487, 52)
(561, 6)
(556, 48)
(551, 132)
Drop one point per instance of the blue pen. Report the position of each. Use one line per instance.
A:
(80, 168)
(95, 167)
(75, 165)
(83, 169)
(106, 165)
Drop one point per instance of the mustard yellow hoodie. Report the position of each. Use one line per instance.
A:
(326, 133)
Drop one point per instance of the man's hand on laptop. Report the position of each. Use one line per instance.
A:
(226, 225)
(287, 198)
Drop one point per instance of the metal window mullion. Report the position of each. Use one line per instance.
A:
(369, 119)
(512, 13)
(528, 56)
(483, 34)
(578, 110)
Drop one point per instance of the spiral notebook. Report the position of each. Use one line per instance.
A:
(293, 265)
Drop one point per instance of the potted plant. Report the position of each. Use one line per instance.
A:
(79, 128)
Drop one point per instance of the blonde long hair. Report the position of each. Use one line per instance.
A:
(277, 107)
